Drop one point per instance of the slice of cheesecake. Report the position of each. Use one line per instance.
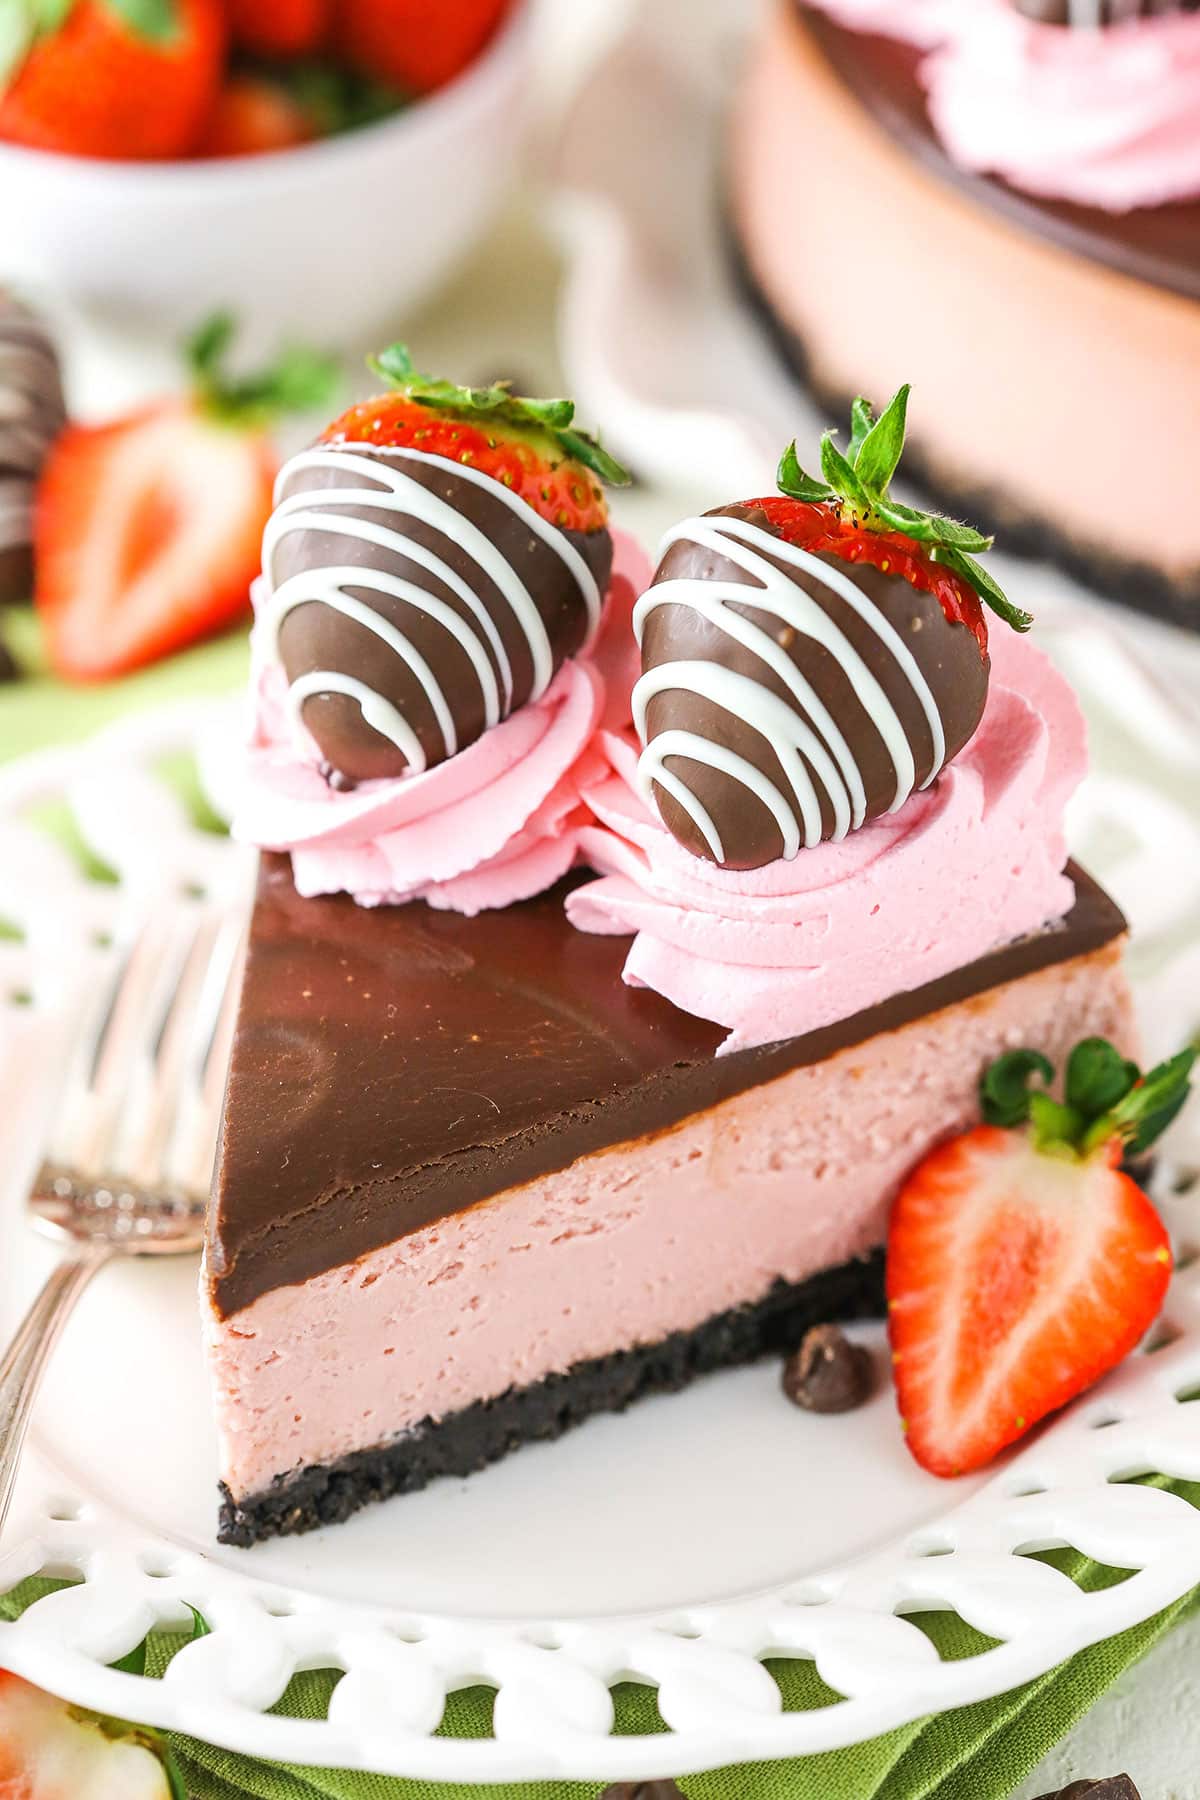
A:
(473, 1188)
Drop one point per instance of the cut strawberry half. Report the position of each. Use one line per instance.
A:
(530, 446)
(52, 1751)
(148, 530)
(1022, 1262)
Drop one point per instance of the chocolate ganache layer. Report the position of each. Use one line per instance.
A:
(397, 1066)
(820, 701)
(414, 603)
(1156, 244)
(1085, 15)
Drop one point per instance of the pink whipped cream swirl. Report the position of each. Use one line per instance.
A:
(495, 824)
(964, 867)
(1104, 117)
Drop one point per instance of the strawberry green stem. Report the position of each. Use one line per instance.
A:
(300, 380)
(856, 486)
(1107, 1098)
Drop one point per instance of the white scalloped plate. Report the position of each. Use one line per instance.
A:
(677, 1545)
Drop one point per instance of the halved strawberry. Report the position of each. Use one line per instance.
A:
(1022, 1262)
(531, 446)
(148, 530)
(852, 515)
(52, 1751)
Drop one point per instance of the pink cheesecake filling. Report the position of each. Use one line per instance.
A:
(1053, 408)
(493, 825)
(629, 1245)
(971, 863)
(1108, 118)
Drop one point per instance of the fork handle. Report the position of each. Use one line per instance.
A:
(24, 1362)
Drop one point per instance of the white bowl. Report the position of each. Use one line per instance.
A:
(328, 242)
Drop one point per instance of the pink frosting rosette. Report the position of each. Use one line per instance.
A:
(495, 824)
(964, 867)
(1107, 117)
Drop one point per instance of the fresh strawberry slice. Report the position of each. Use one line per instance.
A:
(148, 530)
(851, 513)
(531, 446)
(52, 1751)
(253, 115)
(110, 78)
(1022, 1262)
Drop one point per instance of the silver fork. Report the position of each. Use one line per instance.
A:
(128, 1160)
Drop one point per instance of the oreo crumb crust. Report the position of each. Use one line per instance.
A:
(466, 1441)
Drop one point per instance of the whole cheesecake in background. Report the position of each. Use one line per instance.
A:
(32, 413)
(1020, 186)
(515, 1145)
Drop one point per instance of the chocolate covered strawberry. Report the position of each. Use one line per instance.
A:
(811, 658)
(1023, 1263)
(431, 563)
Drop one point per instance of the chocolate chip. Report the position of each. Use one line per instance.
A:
(828, 1374)
(643, 1790)
(9, 671)
(1104, 1787)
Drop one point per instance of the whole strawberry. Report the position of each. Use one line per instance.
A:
(811, 658)
(1022, 1262)
(148, 529)
(122, 79)
(278, 27)
(412, 45)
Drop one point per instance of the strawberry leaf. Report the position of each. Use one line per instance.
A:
(842, 477)
(500, 404)
(861, 421)
(1146, 1110)
(977, 577)
(300, 380)
(879, 453)
(1004, 1092)
(857, 486)
(17, 27)
(791, 480)
(157, 21)
(1097, 1077)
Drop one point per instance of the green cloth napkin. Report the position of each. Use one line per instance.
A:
(979, 1752)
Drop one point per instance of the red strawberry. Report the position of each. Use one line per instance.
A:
(852, 515)
(148, 530)
(52, 1751)
(278, 27)
(253, 115)
(531, 446)
(412, 45)
(1022, 1263)
(113, 79)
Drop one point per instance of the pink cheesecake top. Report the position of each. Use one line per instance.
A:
(1104, 117)
(965, 866)
(495, 824)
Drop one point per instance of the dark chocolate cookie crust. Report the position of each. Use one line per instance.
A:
(467, 1441)
(1139, 585)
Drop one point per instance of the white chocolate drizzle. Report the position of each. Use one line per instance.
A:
(337, 510)
(806, 739)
